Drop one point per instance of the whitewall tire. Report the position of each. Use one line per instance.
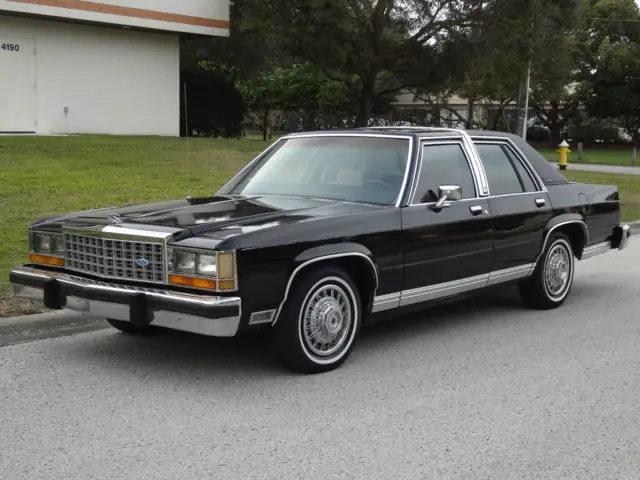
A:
(552, 279)
(317, 329)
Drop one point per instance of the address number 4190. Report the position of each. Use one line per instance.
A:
(9, 47)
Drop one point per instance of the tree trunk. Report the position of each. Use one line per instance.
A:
(266, 126)
(470, 109)
(364, 110)
(366, 102)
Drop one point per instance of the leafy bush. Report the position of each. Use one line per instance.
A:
(594, 131)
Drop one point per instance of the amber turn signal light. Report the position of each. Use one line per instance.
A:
(46, 260)
(192, 282)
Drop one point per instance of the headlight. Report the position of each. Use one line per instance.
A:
(207, 270)
(41, 243)
(208, 265)
(47, 243)
(46, 249)
(184, 261)
(58, 245)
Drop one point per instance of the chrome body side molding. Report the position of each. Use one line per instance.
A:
(510, 274)
(595, 250)
(433, 292)
(386, 302)
(441, 290)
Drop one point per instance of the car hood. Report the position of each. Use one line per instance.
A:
(220, 216)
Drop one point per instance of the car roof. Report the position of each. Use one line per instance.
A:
(422, 132)
(383, 131)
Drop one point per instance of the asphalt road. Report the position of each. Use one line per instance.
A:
(482, 390)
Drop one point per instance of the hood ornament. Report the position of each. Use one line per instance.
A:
(116, 220)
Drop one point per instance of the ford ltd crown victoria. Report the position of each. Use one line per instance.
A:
(325, 232)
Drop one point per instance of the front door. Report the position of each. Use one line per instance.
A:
(17, 85)
(520, 210)
(447, 251)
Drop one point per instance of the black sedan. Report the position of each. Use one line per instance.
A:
(327, 231)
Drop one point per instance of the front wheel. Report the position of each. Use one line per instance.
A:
(317, 328)
(551, 282)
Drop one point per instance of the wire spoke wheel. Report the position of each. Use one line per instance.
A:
(326, 320)
(550, 283)
(321, 321)
(558, 270)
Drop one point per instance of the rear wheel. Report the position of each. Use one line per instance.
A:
(551, 282)
(317, 328)
(129, 328)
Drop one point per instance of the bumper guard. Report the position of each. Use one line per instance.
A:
(206, 315)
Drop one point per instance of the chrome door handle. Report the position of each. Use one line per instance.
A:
(540, 202)
(476, 209)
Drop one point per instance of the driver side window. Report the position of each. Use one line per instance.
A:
(443, 165)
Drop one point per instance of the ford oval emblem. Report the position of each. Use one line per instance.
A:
(142, 262)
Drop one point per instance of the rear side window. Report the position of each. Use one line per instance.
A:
(506, 175)
(443, 165)
(525, 176)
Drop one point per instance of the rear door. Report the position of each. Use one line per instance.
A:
(447, 251)
(520, 209)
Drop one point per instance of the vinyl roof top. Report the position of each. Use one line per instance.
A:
(409, 131)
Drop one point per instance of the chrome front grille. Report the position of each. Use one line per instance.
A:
(115, 258)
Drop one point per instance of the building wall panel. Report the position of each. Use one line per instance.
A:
(100, 80)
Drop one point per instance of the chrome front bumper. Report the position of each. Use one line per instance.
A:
(206, 315)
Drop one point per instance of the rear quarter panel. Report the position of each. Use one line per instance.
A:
(599, 206)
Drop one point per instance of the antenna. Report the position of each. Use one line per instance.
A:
(186, 132)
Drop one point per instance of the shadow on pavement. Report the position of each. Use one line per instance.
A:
(250, 356)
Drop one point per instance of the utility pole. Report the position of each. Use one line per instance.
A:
(525, 84)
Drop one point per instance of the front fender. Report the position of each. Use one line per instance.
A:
(329, 252)
(342, 248)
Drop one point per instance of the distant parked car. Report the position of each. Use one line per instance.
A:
(326, 231)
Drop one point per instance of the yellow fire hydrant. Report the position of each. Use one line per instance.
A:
(564, 155)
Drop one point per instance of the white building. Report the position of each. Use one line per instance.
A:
(107, 66)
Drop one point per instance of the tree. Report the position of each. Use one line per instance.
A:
(555, 94)
(506, 35)
(611, 71)
(213, 105)
(302, 91)
(377, 48)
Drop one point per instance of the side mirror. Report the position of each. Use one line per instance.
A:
(447, 192)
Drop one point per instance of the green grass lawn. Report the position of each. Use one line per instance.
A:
(628, 186)
(41, 176)
(617, 156)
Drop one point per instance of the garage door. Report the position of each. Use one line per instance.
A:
(17, 85)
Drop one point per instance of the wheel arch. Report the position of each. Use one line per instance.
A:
(355, 258)
(574, 227)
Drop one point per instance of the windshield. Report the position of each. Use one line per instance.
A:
(352, 168)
